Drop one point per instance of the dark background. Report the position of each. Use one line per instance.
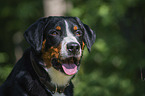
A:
(117, 59)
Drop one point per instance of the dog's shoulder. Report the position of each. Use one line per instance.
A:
(22, 81)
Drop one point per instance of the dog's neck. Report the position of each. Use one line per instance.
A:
(58, 78)
(52, 79)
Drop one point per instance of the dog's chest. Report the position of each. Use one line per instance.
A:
(58, 94)
(58, 78)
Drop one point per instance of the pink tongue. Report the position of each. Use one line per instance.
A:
(69, 69)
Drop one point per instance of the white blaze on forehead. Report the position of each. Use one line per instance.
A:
(69, 38)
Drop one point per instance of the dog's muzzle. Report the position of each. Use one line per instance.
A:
(69, 59)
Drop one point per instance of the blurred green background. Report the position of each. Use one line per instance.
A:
(113, 68)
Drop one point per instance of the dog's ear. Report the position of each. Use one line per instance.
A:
(34, 34)
(89, 35)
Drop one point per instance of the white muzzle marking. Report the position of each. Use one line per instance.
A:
(69, 38)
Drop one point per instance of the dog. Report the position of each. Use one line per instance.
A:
(53, 59)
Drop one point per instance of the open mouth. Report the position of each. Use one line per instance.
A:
(69, 65)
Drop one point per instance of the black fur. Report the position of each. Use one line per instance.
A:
(34, 34)
(89, 35)
(23, 80)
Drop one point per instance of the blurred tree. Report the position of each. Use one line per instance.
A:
(59, 9)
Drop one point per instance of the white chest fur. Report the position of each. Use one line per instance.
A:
(57, 77)
(58, 94)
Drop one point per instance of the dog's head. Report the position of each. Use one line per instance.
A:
(60, 42)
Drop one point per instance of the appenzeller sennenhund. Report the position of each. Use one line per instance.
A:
(47, 67)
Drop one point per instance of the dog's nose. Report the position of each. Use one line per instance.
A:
(73, 47)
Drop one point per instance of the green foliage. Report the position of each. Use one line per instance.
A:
(16, 16)
(4, 71)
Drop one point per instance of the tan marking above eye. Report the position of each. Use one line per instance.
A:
(75, 28)
(58, 28)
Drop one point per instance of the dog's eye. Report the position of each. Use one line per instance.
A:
(54, 33)
(78, 33)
